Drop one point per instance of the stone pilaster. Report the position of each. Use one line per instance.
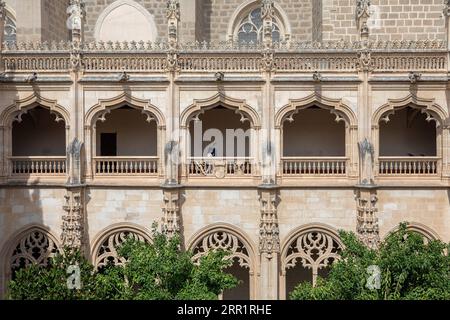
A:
(267, 14)
(173, 19)
(73, 219)
(367, 218)
(171, 209)
(269, 241)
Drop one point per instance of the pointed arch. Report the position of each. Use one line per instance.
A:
(433, 111)
(144, 17)
(227, 237)
(244, 9)
(20, 107)
(24, 247)
(420, 228)
(315, 246)
(240, 107)
(105, 106)
(105, 244)
(335, 106)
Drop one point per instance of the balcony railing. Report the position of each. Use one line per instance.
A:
(220, 167)
(120, 166)
(38, 165)
(314, 166)
(408, 166)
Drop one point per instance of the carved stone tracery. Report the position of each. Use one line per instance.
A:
(171, 210)
(73, 219)
(223, 240)
(36, 247)
(269, 233)
(367, 220)
(106, 253)
(314, 248)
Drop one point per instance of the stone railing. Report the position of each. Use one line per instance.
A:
(220, 167)
(38, 165)
(313, 166)
(141, 56)
(123, 166)
(408, 166)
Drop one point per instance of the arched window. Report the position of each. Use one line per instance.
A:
(251, 28)
(246, 23)
(10, 28)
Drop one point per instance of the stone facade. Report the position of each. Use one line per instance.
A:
(265, 207)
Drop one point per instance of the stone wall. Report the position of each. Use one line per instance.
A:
(156, 7)
(54, 19)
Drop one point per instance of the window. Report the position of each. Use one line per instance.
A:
(251, 28)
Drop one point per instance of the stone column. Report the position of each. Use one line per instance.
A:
(269, 242)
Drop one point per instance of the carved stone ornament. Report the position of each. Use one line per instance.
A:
(367, 220)
(72, 220)
(365, 61)
(170, 221)
(314, 249)
(366, 157)
(76, 15)
(36, 247)
(414, 77)
(222, 240)
(362, 9)
(269, 233)
(2, 9)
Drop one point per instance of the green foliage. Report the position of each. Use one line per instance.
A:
(411, 269)
(156, 271)
(50, 283)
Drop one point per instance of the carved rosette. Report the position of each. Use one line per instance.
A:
(170, 221)
(72, 220)
(269, 233)
(367, 221)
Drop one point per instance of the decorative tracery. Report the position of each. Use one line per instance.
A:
(107, 254)
(251, 28)
(36, 247)
(10, 29)
(314, 249)
(223, 240)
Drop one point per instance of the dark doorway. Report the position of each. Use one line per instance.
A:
(108, 144)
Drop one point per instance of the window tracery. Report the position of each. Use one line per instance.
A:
(251, 28)
(10, 32)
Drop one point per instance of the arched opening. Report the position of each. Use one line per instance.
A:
(240, 254)
(38, 142)
(408, 142)
(314, 142)
(220, 143)
(308, 255)
(105, 249)
(242, 290)
(126, 142)
(125, 20)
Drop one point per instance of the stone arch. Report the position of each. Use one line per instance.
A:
(141, 15)
(335, 106)
(228, 237)
(199, 106)
(433, 111)
(428, 233)
(314, 245)
(20, 107)
(248, 5)
(341, 111)
(32, 244)
(105, 244)
(106, 106)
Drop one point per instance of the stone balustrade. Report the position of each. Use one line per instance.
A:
(408, 166)
(123, 166)
(314, 166)
(38, 166)
(220, 167)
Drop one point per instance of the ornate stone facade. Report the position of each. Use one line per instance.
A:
(98, 138)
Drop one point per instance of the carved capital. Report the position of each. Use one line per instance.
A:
(268, 61)
(365, 61)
